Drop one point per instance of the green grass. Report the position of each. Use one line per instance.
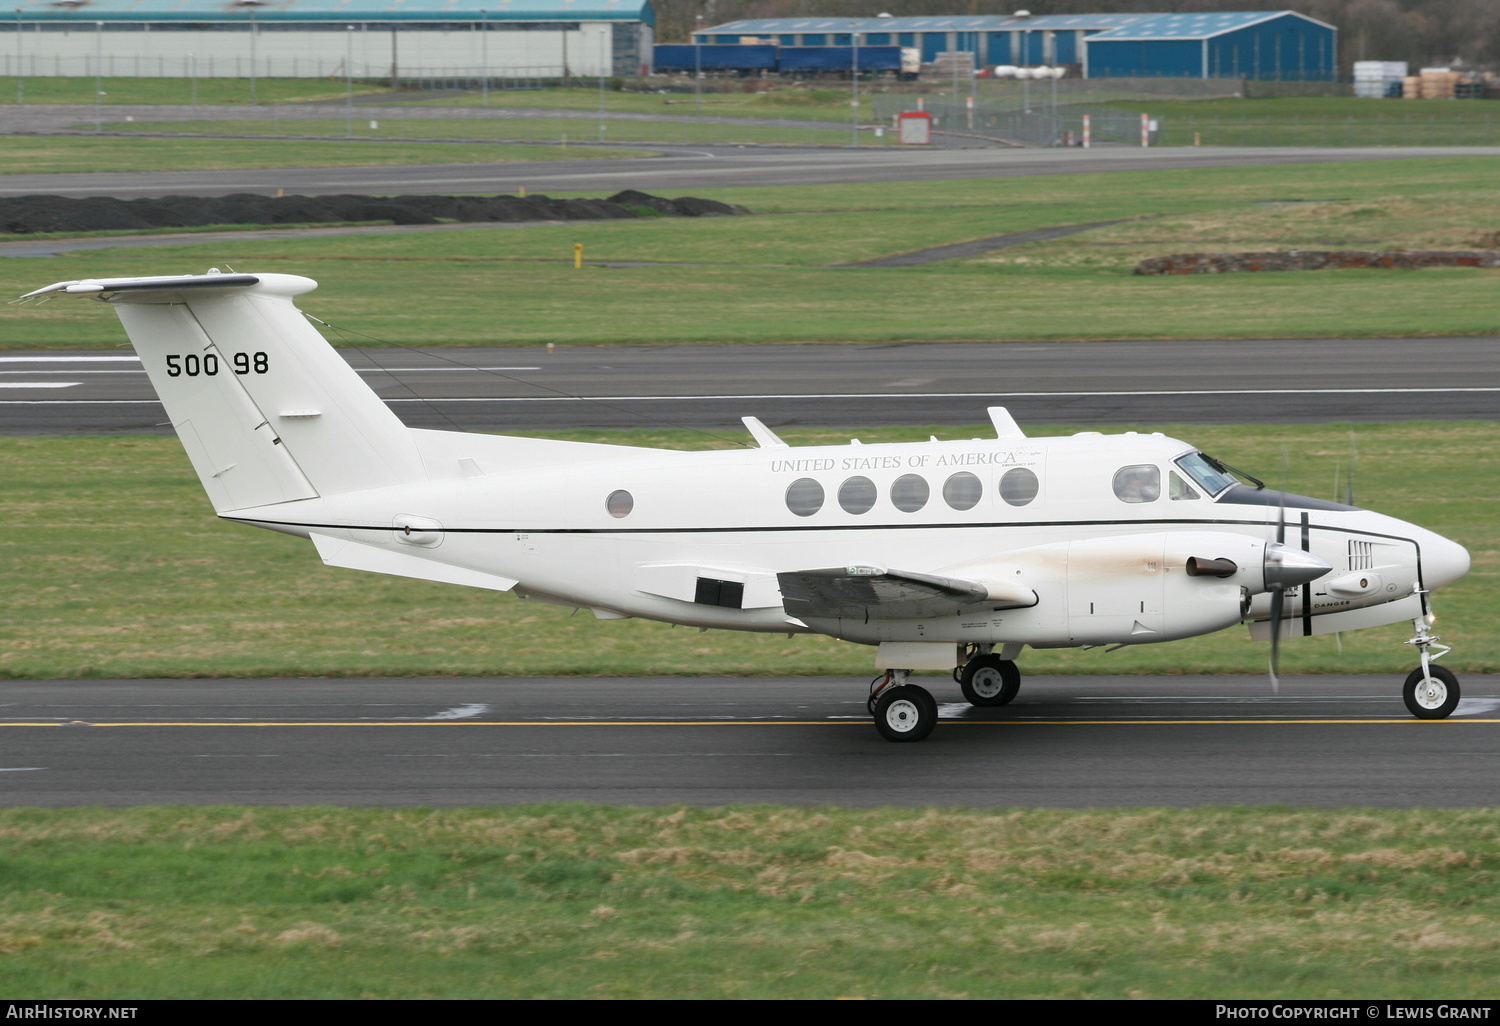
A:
(765, 279)
(1322, 121)
(119, 90)
(802, 103)
(574, 901)
(70, 154)
(123, 571)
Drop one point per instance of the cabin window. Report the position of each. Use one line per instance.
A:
(619, 503)
(804, 497)
(1139, 483)
(857, 495)
(963, 490)
(1180, 489)
(909, 493)
(1019, 486)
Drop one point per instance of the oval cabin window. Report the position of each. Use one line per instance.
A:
(804, 497)
(963, 490)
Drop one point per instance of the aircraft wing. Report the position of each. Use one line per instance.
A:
(869, 592)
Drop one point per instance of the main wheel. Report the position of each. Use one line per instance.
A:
(907, 713)
(989, 680)
(1432, 696)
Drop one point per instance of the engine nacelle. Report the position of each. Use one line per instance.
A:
(1116, 589)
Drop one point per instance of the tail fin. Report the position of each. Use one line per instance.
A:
(266, 409)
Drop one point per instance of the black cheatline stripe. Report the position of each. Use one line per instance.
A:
(818, 528)
(1307, 614)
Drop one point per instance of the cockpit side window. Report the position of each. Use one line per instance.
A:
(1139, 483)
(1180, 489)
(1205, 473)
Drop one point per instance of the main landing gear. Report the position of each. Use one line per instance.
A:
(902, 711)
(906, 712)
(1430, 692)
(987, 680)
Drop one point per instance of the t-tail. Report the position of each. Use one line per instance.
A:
(267, 411)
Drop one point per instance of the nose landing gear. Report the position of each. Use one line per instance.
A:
(1431, 692)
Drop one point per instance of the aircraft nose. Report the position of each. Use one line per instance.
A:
(1443, 561)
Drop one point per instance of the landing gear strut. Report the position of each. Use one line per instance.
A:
(1430, 692)
(902, 711)
(988, 679)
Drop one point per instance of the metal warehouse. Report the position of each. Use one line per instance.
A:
(317, 38)
(1281, 45)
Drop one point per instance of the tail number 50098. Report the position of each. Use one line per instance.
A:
(193, 365)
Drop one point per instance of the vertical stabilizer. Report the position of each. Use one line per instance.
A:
(265, 407)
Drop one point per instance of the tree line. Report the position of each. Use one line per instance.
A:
(1421, 32)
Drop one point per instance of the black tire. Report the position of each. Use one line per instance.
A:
(1431, 697)
(907, 713)
(989, 680)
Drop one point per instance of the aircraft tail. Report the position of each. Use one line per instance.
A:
(266, 409)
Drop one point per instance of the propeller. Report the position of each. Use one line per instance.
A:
(1278, 589)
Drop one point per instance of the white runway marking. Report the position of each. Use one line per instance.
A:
(461, 712)
(21, 769)
(953, 710)
(39, 384)
(69, 359)
(1475, 706)
(955, 395)
(844, 395)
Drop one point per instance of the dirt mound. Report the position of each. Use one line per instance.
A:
(1314, 260)
(26, 215)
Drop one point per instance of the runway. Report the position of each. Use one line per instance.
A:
(1069, 742)
(681, 169)
(711, 387)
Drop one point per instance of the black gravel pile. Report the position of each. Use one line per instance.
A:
(24, 215)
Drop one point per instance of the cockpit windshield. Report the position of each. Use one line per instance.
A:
(1207, 472)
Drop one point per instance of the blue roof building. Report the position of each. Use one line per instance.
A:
(1275, 45)
(1256, 44)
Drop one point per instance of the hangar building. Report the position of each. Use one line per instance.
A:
(399, 39)
(1279, 45)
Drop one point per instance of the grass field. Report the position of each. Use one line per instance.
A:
(34, 155)
(765, 278)
(124, 572)
(119, 91)
(570, 901)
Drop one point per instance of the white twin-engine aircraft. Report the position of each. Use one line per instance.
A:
(948, 556)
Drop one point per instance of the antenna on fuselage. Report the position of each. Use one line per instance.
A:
(1005, 424)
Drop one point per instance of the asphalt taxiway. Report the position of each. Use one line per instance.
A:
(1068, 742)
(1284, 381)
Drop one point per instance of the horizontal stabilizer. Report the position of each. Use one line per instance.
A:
(160, 283)
(866, 593)
(376, 560)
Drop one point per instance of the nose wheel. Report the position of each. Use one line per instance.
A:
(1431, 692)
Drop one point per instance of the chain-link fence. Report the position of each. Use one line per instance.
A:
(1045, 125)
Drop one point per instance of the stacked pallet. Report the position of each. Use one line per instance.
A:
(1438, 83)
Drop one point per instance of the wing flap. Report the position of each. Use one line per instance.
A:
(868, 592)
